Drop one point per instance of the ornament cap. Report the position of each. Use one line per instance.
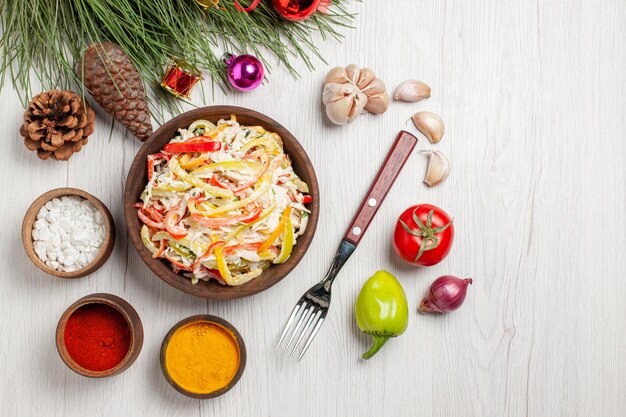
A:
(228, 58)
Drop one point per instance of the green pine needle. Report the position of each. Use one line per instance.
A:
(45, 38)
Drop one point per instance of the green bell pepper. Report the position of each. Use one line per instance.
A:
(381, 310)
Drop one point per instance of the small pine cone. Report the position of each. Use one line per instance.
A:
(57, 124)
(115, 84)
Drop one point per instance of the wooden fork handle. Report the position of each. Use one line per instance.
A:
(397, 156)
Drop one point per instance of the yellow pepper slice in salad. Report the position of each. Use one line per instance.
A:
(193, 180)
(288, 240)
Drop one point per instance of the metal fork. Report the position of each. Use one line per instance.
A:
(311, 310)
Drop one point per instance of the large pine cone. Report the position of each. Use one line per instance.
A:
(57, 124)
(114, 82)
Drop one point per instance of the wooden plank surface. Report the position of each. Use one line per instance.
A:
(533, 96)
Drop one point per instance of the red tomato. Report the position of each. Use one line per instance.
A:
(428, 240)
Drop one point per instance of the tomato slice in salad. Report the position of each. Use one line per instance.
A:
(191, 146)
(152, 160)
(206, 254)
(160, 251)
(149, 221)
(216, 182)
(153, 212)
(173, 226)
(214, 222)
(254, 215)
(254, 246)
(180, 266)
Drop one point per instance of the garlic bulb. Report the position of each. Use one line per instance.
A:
(430, 125)
(350, 90)
(438, 168)
(343, 103)
(412, 90)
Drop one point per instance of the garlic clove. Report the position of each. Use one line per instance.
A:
(336, 75)
(438, 168)
(359, 101)
(430, 125)
(333, 92)
(411, 90)
(353, 73)
(365, 78)
(337, 111)
(376, 86)
(378, 103)
(345, 109)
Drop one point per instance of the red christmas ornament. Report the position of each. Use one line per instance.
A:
(248, 9)
(324, 6)
(180, 77)
(295, 9)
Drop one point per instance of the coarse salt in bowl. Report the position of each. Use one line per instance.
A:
(68, 233)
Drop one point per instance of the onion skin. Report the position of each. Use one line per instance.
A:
(446, 294)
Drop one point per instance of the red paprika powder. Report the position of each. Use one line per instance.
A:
(97, 336)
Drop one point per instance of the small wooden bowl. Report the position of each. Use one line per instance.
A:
(31, 217)
(138, 178)
(134, 323)
(221, 322)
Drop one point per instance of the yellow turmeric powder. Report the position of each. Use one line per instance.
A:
(202, 357)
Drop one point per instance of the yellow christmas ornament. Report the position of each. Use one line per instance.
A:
(208, 3)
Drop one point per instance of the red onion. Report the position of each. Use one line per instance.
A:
(446, 294)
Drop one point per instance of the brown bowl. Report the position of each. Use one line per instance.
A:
(31, 216)
(136, 334)
(219, 321)
(138, 178)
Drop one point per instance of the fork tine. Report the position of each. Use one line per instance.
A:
(312, 336)
(288, 325)
(305, 313)
(312, 319)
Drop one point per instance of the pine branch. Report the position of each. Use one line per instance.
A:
(45, 38)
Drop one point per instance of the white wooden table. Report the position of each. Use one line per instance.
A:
(532, 94)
